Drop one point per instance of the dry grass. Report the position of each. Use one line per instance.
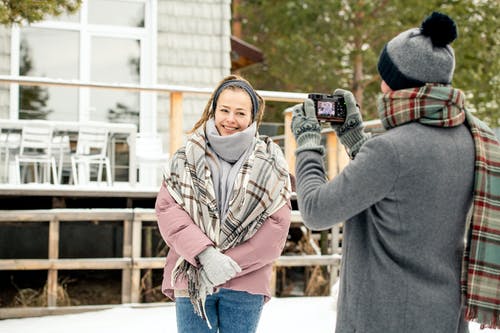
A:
(315, 281)
(29, 297)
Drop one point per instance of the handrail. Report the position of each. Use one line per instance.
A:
(268, 95)
(336, 157)
(176, 95)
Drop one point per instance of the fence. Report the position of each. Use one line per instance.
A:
(130, 263)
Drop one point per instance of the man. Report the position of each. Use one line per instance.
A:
(406, 194)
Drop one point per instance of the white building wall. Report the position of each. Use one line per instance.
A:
(194, 48)
(4, 70)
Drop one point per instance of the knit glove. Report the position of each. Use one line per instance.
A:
(305, 127)
(218, 267)
(351, 132)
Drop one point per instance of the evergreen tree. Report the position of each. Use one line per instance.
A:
(317, 46)
(21, 11)
(32, 99)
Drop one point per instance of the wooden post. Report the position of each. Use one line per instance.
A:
(135, 272)
(337, 159)
(332, 153)
(53, 254)
(273, 281)
(290, 144)
(127, 253)
(176, 126)
(336, 249)
(148, 253)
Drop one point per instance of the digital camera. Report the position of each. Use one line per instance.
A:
(329, 108)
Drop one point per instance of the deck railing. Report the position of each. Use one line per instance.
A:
(130, 263)
(335, 155)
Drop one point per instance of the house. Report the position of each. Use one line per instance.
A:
(143, 42)
(148, 43)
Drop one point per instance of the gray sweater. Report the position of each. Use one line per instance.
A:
(404, 198)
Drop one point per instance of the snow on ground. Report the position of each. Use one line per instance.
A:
(289, 314)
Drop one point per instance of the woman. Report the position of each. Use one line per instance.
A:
(224, 211)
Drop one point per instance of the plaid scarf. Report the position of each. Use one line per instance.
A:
(261, 187)
(443, 106)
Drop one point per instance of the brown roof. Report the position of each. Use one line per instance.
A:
(244, 54)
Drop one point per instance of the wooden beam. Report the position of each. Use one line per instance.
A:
(127, 253)
(135, 273)
(53, 254)
(176, 125)
(308, 260)
(290, 144)
(64, 264)
(46, 215)
(23, 312)
(149, 263)
(332, 147)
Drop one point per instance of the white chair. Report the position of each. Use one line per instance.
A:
(36, 149)
(61, 150)
(150, 159)
(91, 149)
(9, 146)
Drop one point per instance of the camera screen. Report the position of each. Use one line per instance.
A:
(326, 109)
(329, 108)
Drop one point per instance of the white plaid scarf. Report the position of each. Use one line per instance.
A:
(261, 187)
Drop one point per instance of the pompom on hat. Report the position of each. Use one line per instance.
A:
(420, 55)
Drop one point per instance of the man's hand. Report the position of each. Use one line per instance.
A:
(306, 128)
(351, 132)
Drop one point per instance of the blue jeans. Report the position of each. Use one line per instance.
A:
(229, 311)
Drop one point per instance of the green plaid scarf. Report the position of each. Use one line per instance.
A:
(261, 187)
(441, 105)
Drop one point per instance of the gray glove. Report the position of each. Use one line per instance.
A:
(218, 267)
(351, 132)
(206, 286)
(306, 128)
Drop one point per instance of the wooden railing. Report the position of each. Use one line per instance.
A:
(335, 155)
(130, 263)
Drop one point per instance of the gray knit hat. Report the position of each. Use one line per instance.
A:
(420, 55)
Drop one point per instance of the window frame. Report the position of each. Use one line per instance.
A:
(148, 58)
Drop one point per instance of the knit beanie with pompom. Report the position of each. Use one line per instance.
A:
(420, 55)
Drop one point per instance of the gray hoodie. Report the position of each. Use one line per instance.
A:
(404, 200)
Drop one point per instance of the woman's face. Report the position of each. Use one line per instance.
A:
(233, 112)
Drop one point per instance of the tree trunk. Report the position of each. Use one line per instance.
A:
(357, 83)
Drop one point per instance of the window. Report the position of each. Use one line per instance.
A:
(37, 58)
(108, 65)
(91, 45)
(131, 13)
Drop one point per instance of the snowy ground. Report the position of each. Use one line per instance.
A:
(291, 315)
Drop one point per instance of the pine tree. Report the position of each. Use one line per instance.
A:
(317, 46)
(29, 11)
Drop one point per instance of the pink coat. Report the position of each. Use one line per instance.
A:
(255, 256)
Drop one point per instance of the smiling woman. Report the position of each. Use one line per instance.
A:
(223, 240)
